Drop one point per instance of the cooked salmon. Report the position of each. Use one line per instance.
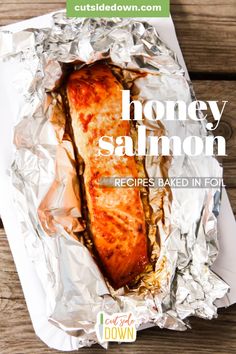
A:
(116, 217)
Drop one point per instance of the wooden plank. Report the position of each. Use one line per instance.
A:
(14, 11)
(206, 30)
(10, 284)
(207, 34)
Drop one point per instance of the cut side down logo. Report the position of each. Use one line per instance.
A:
(118, 327)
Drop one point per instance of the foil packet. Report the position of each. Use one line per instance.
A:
(46, 186)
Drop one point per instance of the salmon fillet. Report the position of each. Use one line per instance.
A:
(116, 216)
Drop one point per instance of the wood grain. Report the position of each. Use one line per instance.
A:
(206, 30)
(14, 11)
(207, 34)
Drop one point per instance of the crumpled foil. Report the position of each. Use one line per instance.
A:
(47, 190)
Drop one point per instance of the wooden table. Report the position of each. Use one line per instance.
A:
(207, 35)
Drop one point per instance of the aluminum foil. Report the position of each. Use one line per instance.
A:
(47, 192)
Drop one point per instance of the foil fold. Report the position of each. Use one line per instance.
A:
(47, 191)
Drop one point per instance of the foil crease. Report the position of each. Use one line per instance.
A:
(47, 192)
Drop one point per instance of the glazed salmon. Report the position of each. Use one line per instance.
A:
(116, 215)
